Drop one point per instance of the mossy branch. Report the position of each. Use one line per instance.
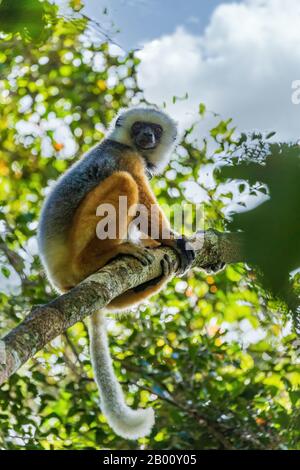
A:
(46, 322)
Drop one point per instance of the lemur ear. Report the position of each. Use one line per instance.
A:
(119, 122)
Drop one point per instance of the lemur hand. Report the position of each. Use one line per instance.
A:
(186, 254)
(167, 269)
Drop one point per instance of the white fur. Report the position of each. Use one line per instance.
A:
(126, 422)
(159, 156)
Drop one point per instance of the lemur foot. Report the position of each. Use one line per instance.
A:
(144, 255)
(186, 254)
(167, 269)
(166, 266)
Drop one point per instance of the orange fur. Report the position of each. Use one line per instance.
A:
(86, 252)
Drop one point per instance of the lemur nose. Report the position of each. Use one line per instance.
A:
(148, 134)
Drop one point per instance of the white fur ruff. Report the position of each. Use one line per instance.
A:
(121, 133)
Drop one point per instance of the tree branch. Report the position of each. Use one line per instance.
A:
(46, 322)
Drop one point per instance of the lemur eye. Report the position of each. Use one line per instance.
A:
(118, 122)
(137, 127)
(157, 131)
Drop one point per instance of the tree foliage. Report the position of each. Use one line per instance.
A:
(212, 354)
(272, 230)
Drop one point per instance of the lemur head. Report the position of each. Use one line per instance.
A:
(149, 131)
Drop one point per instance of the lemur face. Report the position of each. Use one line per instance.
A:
(146, 135)
(150, 132)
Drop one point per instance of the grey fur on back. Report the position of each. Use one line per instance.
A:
(70, 189)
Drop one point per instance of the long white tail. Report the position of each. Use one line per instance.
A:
(126, 422)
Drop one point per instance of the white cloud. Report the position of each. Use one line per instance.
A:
(242, 66)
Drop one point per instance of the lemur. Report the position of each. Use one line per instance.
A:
(138, 145)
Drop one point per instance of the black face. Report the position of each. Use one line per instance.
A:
(146, 135)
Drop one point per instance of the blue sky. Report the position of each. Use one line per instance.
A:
(140, 21)
(240, 58)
